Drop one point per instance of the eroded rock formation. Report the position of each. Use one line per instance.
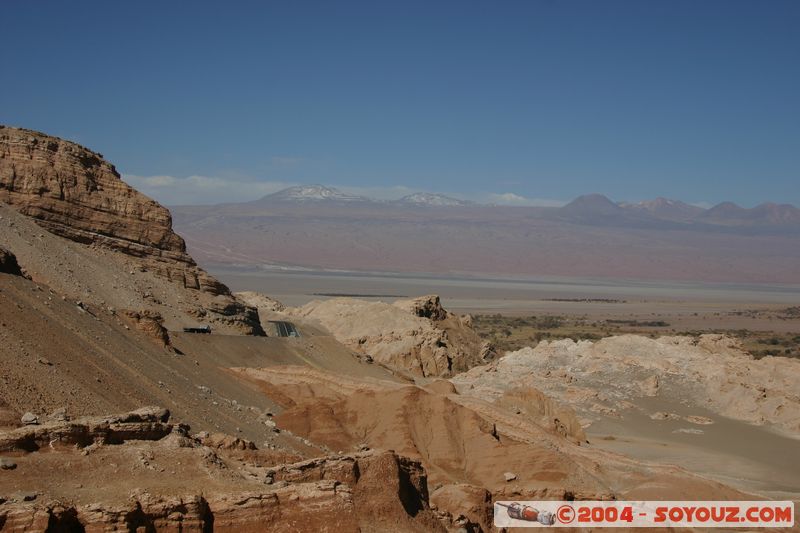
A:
(603, 378)
(418, 335)
(260, 301)
(147, 423)
(76, 194)
(150, 323)
(466, 443)
(206, 489)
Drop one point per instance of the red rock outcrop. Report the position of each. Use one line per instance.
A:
(73, 192)
(76, 194)
(151, 323)
(372, 492)
(116, 481)
(147, 423)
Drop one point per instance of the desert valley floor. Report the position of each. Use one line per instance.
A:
(751, 457)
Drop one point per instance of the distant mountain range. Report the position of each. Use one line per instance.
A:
(433, 200)
(312, 193)
(317, 193)
(592, 236)
(587, 209)
(596, 208)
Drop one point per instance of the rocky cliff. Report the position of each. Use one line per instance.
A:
(76, 194)
(219, 488)
(417, 335)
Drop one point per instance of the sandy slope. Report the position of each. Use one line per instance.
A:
(54, 353)
(104, 277)
(701, 403)
(461, 440)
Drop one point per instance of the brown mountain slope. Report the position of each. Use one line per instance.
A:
(88, 360)
(111, 279)
(74, 193)
(58, 354)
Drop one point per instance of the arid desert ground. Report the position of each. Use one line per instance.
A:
(514, 313)
(399, 267)
(141, 391)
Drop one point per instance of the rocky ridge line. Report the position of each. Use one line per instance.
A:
(74, 193)
(370, 490)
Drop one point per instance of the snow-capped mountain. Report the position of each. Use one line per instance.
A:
(313, 193)
(433, 200)
(586, 209)
(317, 193)
(666, 209)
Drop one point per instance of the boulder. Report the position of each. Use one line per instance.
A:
(472, 503)
(151, 323)
(30, 419)
(427, 306)
(147, 423)
(222, 441)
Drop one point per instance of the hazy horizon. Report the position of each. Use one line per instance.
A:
(152, 186)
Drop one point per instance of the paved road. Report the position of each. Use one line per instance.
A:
(285, 329)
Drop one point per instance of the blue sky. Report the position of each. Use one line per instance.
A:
(203, 102)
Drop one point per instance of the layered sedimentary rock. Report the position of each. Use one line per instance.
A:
(147, 423)
(467, 444)
(76, 194)
(350, 493)
(150, 323)
(418, 335)
(205, 489)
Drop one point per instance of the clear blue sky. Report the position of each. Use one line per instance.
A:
(697, 100)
